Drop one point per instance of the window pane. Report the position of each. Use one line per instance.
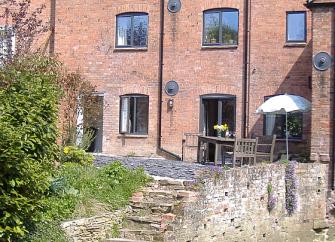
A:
(142, 105)
(211, 28)
(140, 30)
(230, 27)
(296, 27)
(228, 113)
(124, 119)
(294, 123)
(276, 124)
(132, 115)
(124, 31)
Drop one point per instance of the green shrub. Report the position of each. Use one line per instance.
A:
(28, 132)
(76, 155)
(81, 191)
(115, 173)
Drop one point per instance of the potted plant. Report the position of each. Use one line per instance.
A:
(221, 129)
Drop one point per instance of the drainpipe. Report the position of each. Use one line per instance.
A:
(160, 96)
(332, 164)
(246, 71)
(52, 27)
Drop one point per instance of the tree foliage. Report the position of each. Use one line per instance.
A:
(28, 133)
(25, 20)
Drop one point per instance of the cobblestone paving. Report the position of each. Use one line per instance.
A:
(155, 166)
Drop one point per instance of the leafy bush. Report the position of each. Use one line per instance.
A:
(76, 155)
(28, 132)
(116, 172)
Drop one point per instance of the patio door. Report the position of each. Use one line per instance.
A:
(217, 109)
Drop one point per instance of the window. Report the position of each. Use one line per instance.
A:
(276, 124)
(220, 27)
(134, 114)
(296, 27)
(7, 44)
(132, 30)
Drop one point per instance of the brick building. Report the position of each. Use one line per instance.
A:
(226, 56)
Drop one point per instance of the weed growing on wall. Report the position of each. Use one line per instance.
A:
(272, 200)
(291, 185)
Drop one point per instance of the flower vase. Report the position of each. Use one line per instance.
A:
(220, 134)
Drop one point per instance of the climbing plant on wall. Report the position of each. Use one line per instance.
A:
(291, 185)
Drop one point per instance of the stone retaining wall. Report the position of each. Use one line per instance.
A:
(225, 205)
(92, 229)
(233, 206)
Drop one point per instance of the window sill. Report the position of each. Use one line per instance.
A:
(295, 44)
(117, 49)
(134, 136)
(209, 47)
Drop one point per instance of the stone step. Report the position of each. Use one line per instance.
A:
(123, 240)
(145, 219)
(141, 234)
(151, 207)
(158, 192)
(148, 223)
(168, 184)
(158, 196)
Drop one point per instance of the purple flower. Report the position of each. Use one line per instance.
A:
(291, 184)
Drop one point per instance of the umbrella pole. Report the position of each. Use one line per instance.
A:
(286, 138)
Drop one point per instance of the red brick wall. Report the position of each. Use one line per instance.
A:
(275, 67)
(323, 86)
(198, 70)
(85, 36)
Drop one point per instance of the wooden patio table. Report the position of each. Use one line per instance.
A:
(217, 141)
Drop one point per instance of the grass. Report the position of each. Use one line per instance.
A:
(82, 191)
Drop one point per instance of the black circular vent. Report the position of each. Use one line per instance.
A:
(322, 61)
(174, 6)
(172, 88)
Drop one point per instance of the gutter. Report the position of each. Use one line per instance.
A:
(246, 71)
(312, 4)
(160, 149)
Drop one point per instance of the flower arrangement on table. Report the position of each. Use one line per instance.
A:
(221, 129)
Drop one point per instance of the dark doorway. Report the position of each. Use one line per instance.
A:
(217, 109)
(93, 122)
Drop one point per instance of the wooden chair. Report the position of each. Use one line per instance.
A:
(243, 149)
(189, 146)
(266, 147)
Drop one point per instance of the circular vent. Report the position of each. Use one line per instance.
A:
(322, 61)
(174, 6)
(172, 88)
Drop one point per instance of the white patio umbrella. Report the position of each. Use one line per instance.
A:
(284, 104)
